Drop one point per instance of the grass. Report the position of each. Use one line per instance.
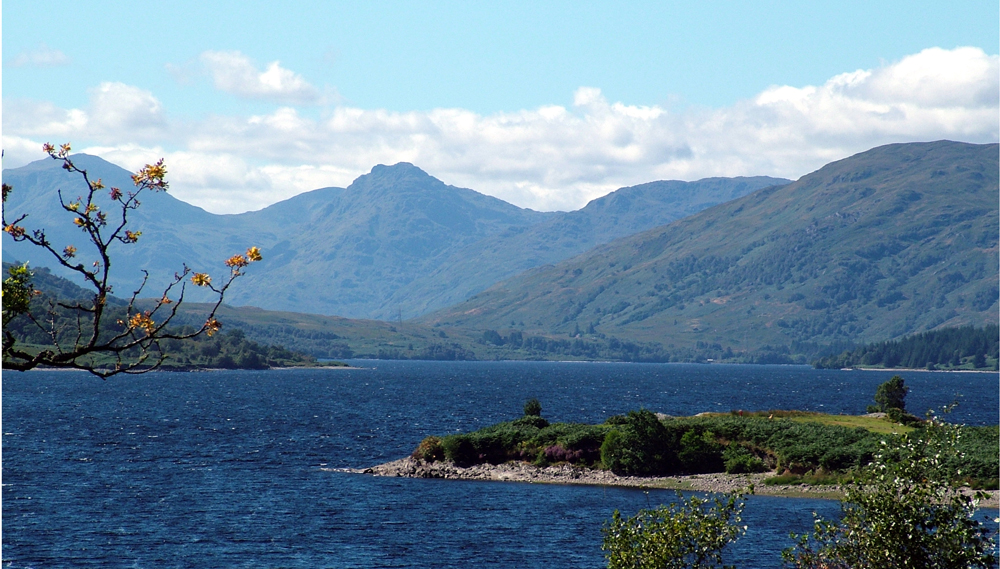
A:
(873, 424)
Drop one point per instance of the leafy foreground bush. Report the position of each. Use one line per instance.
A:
(902, 511)
(691, 533)
(899, 512)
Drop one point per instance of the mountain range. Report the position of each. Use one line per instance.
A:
(395, 243)
(896, 240)
(893, 241)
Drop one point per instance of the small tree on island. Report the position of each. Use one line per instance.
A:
(890, 395)
(91, 334)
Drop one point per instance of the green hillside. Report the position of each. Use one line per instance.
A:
(335, 337)
(627, 211)
(229, 350)
(395, 242)
(893, 241)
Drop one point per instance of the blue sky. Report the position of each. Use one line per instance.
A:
(545, 106)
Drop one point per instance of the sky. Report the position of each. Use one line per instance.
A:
(546, 105)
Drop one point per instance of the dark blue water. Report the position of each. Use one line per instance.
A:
(231, 469)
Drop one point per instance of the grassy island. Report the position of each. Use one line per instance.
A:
(797, 446)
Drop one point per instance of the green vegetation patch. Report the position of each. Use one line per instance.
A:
(962, 348)
(802, 447)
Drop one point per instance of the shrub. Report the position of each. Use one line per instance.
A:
(531, 421)
(641, 446)
(460, 450)
(532, 408)
(895, 415)
(430, 450)
(838, 459)
(739, 460)
(901, 511)
(691, 533)
(556, 453)
(699, 452)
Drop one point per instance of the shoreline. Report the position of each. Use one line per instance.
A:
(523, 472)
(920, 369)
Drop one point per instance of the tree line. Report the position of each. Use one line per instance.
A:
(966, 347)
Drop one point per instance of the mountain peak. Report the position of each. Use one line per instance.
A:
(398, 171)
(82, 161)
(397, 167)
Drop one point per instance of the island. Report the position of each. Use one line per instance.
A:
(779, 452)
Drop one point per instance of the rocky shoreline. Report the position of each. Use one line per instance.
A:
(567, 474)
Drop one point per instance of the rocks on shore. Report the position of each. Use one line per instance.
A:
(568, 474)
(557, 474)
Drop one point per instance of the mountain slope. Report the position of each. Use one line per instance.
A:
(896, 240)
(173, 232)
(621, 213)
(359, 246)
(395, 242)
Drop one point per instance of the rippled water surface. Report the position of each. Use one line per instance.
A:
(229, 469)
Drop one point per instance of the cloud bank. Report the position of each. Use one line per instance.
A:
(552, 157)
(41, 56)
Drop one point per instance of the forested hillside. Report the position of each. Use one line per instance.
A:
(228, 350)
(947, 348)
(894, 241)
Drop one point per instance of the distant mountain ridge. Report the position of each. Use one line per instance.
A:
(892, 241)
(396, 242)
(621, 213)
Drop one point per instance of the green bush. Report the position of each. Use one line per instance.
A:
(699, 452)
(430, 450)
(640, 447)
(739, 460)
(460, 450)
(901, 511)
(531, 421)
(532, 408)
(612, 453)
(691, 533)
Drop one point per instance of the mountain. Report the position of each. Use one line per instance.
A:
(173, 232)
(355, 247)
(893, 241)
(396, 242)
(624, 212)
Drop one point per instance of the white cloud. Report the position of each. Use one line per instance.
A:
(117, 108)
(117, 114)
(235, 73)
(41, 56)
(548, 158)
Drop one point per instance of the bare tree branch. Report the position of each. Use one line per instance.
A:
(81, 332)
